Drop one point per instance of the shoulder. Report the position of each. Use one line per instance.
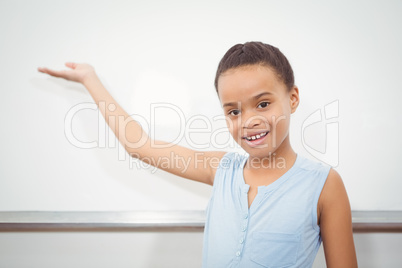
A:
(229, 165)
(313, 172)
(312, 165)
(232, 159)
(336, 223)
(333, 187)
(333, 195)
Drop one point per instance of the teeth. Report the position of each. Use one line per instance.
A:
(256, 136)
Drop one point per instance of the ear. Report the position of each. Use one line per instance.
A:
(294, 98)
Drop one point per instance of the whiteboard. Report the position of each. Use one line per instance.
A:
(346, 58)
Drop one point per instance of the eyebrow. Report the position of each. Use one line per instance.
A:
(256, 97)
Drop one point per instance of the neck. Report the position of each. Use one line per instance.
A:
(281, 159)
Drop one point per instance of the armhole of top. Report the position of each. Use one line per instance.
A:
(223, 163)
(323, 178)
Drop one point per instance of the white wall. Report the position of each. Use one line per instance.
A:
(346, 58)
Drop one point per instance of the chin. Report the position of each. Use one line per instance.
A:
(259, 152)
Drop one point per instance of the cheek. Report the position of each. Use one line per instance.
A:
(276, 117)
(229, 124)
(279, 117)
(233, 126)
(280, 125)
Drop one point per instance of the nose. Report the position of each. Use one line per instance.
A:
(252, 120)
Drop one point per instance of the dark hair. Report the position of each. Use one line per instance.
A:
(252, 53)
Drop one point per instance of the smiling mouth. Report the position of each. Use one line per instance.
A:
(256, 137)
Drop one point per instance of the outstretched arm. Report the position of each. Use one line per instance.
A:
(187, 163)
(335, 220)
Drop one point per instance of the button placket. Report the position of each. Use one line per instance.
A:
(243, 220)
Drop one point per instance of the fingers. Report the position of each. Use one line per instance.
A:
(71, 65)
(41, 69)
(52, 72)
(76, 72)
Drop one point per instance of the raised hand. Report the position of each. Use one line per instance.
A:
(132, 136)
(78, 72)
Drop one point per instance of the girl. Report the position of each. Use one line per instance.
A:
(271, 208)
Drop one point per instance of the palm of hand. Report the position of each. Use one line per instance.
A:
(77, 72)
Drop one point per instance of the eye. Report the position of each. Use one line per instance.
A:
(263, 104)
(234, 112)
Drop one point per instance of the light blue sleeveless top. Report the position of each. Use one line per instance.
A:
(278, 230)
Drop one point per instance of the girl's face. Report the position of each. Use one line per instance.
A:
(257, 106)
